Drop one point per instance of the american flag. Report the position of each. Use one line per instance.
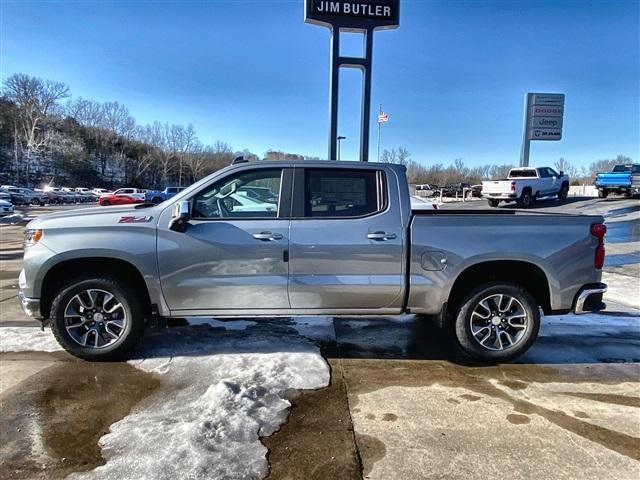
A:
(383, 117)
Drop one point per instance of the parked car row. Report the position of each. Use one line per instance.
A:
(51, 195)
(457, 190)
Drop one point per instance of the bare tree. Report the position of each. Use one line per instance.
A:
(35, 99)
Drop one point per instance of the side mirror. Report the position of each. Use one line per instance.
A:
(561, 173)
(180, 216)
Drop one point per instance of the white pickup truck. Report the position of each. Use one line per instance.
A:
(525, 185)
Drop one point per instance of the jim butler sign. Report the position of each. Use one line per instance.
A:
(364, 16)
(354, 14)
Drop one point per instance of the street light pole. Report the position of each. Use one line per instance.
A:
(339, 138)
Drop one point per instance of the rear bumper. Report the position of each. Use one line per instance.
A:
(500, 196)
(589, 298)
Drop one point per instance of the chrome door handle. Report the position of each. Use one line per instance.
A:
(267, 236)
(381, 236)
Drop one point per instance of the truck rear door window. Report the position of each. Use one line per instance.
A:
(342, 193)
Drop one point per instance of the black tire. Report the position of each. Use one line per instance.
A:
(471, 344)
(494, 203)
(564, 192)
(106, 203)
(129, 335)
(603, 193)
(156, 200)
(526, 200)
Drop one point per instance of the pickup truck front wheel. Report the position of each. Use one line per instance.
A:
(97, 319)
(497, 322)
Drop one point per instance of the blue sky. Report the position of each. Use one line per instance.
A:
(452, 78)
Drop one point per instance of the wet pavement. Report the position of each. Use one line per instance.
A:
(403, 401)
(52, 420)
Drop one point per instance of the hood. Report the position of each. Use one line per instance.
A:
(93, 216)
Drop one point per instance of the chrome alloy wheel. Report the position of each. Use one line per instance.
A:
(95, 318)
(499, 322)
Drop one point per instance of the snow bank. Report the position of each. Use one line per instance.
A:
(14, 219)
(26, 339)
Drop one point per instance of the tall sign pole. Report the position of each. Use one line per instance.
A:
(362, 16)
(543, 118)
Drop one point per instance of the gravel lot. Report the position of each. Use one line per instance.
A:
(380, 398)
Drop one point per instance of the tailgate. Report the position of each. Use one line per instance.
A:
(611, 179)
(496, 186)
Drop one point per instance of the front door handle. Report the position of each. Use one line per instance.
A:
(267, 236)
(381, 236)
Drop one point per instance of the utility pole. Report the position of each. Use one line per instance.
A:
(379, 112)
(340, 137)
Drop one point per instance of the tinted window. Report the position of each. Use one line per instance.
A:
(227, 197)
(635, 169)
(523, 173)
(341, 193)
(543, 172)
(621, 168)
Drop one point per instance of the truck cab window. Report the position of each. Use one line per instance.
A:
(229, 197)
(342, 193)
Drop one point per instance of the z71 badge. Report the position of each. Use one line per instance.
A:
(133, 219)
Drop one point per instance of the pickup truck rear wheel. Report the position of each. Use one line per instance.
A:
(603, 193)
(494, 203)
(497, 322)
(525, 199)
(97, 319)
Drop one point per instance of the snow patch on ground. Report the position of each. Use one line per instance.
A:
(220, 392)
(14, 219)
(623, 289)
(27, 339)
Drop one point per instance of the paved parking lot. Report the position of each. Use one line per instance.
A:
(379, 398)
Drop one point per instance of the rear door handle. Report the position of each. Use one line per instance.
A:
(267, 236)
(381, 236)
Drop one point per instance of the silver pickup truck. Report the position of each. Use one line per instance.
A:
(321, 238)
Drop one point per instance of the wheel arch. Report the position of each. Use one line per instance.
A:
(59, 273)
(526, 274)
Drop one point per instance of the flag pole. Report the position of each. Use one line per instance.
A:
(379, 112)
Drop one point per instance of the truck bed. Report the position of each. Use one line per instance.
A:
(444, 243)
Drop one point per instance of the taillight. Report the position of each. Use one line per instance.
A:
(513, 186)
(599, 230)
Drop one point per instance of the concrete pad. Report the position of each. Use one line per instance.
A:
(437, 420)
(317, 442)
(14, 372)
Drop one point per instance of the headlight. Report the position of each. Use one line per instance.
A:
(31, 237)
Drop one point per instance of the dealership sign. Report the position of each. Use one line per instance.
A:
(361, 17)
(543, 118)
(353, 14)
(545, 113)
